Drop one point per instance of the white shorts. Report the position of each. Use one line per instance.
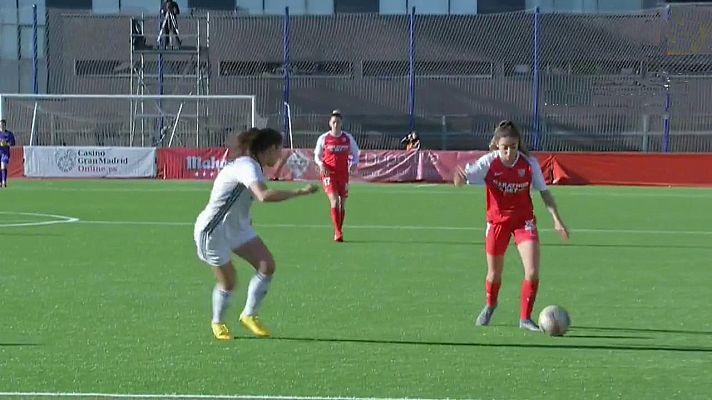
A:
(216, 248)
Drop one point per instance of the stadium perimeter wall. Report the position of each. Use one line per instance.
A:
(635, 169)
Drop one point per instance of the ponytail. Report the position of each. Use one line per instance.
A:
(255, 141)
(245, 139)
(507, 128)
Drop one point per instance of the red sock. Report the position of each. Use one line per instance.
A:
(492, 290)
(529, 289)
(336, 219)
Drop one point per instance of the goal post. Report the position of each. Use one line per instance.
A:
(127, 120)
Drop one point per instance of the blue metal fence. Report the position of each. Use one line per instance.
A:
(593, 82)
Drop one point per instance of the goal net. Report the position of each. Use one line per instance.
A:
(127, 120)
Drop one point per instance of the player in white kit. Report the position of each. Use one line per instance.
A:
(225, 227)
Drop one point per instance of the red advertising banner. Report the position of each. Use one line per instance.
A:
(642, 169)
(382, 165)
(17, 162)
(438, 166)
(374, 165)
(186, 163)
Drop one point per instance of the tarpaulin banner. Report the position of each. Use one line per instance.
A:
(374, 165)
(89, 162)
(439, 166)
(185, 163)
(17, 166)
(641, 169)
(382, 165)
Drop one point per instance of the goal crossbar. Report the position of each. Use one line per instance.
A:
(213, 110)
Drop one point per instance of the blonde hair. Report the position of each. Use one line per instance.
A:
(504, 129)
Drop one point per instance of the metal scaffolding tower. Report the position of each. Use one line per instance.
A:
(159, 67)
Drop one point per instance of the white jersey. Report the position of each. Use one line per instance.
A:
(231, 198)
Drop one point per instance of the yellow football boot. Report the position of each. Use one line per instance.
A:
(221, 332)
(253, 324)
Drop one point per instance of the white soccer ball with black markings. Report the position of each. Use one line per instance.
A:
(554, 320)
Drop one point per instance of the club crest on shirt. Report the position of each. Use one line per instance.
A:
(522, 172)
(530, 225)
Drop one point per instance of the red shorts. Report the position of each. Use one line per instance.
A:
(498, 235)
(336, 185)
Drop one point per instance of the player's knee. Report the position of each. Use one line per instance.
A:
(227, 283)
(531, 274)
(228, 286)
(494, 274)
(267, 266)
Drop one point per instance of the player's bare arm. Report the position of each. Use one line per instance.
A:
(320, 162)
(550, 204)
(323, 170)
(355, 155)
(460, 177)
(264, 194)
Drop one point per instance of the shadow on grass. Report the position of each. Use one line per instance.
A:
(643, 330)
(606, 336)
(563, 343)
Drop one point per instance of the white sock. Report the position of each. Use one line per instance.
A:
(256, 292)
(221, 301)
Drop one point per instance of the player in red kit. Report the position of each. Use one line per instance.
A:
(336, 153)
(509, 172)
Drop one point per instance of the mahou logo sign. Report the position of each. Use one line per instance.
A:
(198, 163)
(205, 168)
(182, 163)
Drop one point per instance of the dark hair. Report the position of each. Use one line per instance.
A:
(507, 128)
(4, 121)
(255, 141)
(336, 113)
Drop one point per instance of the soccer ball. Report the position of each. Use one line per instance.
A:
(554, 320)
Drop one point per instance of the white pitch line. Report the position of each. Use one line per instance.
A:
(407, 227)
(57, 219)
(158, 223)
(198, 396)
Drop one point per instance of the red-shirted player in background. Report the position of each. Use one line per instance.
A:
(508, 173)
(336, 153)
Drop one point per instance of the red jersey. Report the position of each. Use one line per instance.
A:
(508, 188)
(336, 153)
